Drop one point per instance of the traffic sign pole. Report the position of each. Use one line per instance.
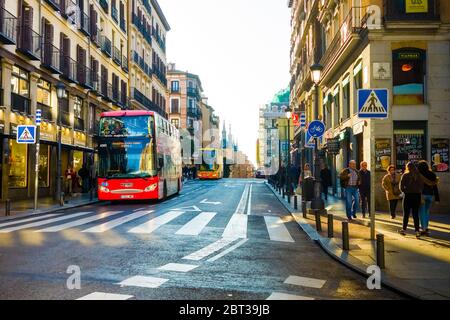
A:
(372, 180)
(36, 178)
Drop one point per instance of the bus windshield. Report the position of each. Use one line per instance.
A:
(127, 158)
(209, 160)
(126, 126)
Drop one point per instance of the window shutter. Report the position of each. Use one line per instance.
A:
(124, 92)
(27, 27)
(62, 6)
(104, 80)
(48, 42)
(93, 15)
(122, 11)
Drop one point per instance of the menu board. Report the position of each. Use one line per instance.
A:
(383, 154)
(439, 155)
(409, 147)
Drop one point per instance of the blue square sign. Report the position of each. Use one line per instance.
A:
(26, 134)
(373, 103)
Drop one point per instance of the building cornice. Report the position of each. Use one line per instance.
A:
(161, 14)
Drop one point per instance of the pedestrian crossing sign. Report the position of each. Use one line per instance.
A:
(26, 134)
(373, 103)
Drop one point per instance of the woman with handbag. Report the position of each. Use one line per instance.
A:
(430, 191)
(411, 184)
(391, 185)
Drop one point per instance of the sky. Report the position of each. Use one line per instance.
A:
(240, 51)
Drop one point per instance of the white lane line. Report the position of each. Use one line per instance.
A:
(241, 206)
(105, 296)
(179, 267)
(286, 296)
(277, 229)
(117, 222)
(236, 227)
(143, 282)
(155, 223)
(79, 222)
(28, 220)
(233, 247)
(305, 282)
(40, 223)
(249, 207)
(210, 249)
(138, 209)
(197, 224)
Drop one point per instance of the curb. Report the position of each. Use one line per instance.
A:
(330, 248)
(45, 211)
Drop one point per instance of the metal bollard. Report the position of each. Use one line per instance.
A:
(8, 207)
(318, 222)
(289, 197)
(284, 194)
(304, 209)
(345, 237)
(295, 203)
(330, 225)
(380, 251)
(61, 199)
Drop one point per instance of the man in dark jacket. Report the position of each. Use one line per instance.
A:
(325, 178)
(364, 188)
(350, 180)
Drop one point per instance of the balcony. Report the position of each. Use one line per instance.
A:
(193, 92)
(51, 58)
(138, 24)
(141, 63)
(147, 6)
(123, 25)
(65, 117)
(104, 4)
(85, 77)
(105, 45)
(30, 43)
(78, 124)
(106, 90)
(85, 24)
(125, 63)
(68, 68)
(20, 103)
(66, 9)
(117, 56)
(159, 40)
(115, 14)
(46, 111)
(146, 102)
(8, 27)
(160, 75)
(395, 12)
(55, 4)
(95, 36)
(194, 113)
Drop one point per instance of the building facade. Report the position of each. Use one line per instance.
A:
(360, 44)
(210, 126)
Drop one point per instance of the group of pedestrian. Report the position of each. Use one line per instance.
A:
(189, 172)
(76, 182)
(417, 187)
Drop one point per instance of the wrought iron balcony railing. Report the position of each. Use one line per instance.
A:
(68, 68)
(105, 45)
(85, 24)
(20, 103)
(8, 27)
(117, 56)
(30, 43)
(51, 58)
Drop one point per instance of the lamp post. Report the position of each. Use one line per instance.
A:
(288, 159)
(317, 203)
(60, 92)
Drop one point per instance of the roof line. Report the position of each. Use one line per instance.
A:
(161, 14)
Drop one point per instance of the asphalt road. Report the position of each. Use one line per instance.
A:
(226, 239)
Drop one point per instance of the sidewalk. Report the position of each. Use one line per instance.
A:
(45, 205)
(419, 268)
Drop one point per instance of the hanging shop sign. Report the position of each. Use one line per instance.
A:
(440, 155)
(383, 154)
(333, 146)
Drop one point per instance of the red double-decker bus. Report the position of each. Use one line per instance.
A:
(139, 156)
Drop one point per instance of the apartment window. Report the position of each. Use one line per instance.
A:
(175, 123)
(43, 92)
(358, 84)
(336, 107)
(346, 97)
(78, 107)
(20, 83)
(175, 105)
(191, 104)
(409, 76)
(18, 172)
(175, 86)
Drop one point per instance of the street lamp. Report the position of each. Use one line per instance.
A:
(288, 112)
(60, 93)
(317, 203)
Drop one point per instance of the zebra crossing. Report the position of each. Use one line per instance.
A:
(149, 221)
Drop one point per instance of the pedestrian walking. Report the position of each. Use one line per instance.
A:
(325, 178)
(70, 180)
(307, 173)
(84, 175)
(411, 184)
(430, 191)
(364, 188)
(350, 180)
(294, 173)
(391, 185)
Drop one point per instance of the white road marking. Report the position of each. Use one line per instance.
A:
(249, 206)
(205, 201)
(206, 251)
(117, 222)
(305, 282)
(27, 220)
(40, 223)
(188, 209)
(138, 209)
(155, 223)
(277, 229)
(236, 227)
(143, 282)
(241, 206)
(233, 247)
(286, 296)
(105, 296)
(79, 222)
(197, 224)
(180, 267)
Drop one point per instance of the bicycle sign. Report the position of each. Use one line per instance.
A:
(316, 128)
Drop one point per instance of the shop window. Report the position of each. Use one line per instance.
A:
(78, 108)
(409, 76)
(44, 166)
(18, 172)
(77, 160)
(410, 142)
(20, 83)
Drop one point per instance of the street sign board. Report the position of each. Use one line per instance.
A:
(309, 140)
(373, 103)
(38, 116)
(316, 128)
(26, 134)
(295, 119)
(302, 119)
(333, 146)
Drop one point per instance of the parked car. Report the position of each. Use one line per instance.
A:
(260, 174)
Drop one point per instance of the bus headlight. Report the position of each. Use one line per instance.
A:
(151, 187)
(104, 189)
